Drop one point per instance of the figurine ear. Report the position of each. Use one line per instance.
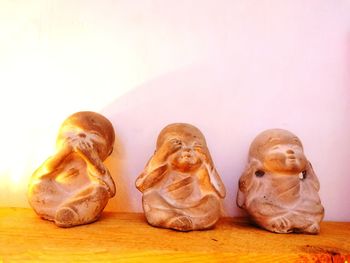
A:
(217, 183)
(246, 180)
(311, 176)
(215, 179)
(248, 174)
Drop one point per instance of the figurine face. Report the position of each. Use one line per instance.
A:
(279, 151)
(187, 156)
(284, 157)
(88, 132)
(83, 139)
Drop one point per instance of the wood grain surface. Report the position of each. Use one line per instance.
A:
(126, 237)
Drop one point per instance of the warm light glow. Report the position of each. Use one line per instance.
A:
(57, 58)
(232, 68)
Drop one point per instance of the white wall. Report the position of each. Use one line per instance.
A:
(232, 68)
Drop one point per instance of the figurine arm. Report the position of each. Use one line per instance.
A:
(49, 168)
(151, 176)
(104, 178)
(216, 182)
(310, 174)
(108, 180)
(96, 167)
(157, 166)
(246, 182)
(214, 177)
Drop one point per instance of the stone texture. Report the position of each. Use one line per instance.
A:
(279, 188)
(181, 187)
(73, 186)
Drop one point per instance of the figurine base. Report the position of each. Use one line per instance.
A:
(127, 237)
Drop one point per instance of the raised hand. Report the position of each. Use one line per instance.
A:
(203, 153)
(168, 148)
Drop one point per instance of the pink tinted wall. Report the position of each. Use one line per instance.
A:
(231, 68)
(256, 65)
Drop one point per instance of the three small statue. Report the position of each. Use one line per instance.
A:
(180, 186)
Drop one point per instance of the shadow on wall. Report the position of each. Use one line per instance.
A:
(229, 108)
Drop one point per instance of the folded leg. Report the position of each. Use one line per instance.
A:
(85, 207)
(159, 212)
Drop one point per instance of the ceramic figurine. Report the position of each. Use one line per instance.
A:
(279, 188)
(181, 187)
(73, 186)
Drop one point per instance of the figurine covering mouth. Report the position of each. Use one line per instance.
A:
(73, 186)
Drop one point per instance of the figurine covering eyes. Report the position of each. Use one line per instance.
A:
(181, 188)
(279, 188)
(73, 186)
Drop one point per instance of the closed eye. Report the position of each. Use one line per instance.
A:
(197, 147)
(175, 140)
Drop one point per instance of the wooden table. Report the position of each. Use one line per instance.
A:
(126, 237)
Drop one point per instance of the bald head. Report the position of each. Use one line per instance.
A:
(183, 131)
(269, 138)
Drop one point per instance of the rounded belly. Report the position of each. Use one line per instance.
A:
(73, 176)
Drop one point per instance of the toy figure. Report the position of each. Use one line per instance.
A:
(181, 188)
(279, 188)
(73, 186)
